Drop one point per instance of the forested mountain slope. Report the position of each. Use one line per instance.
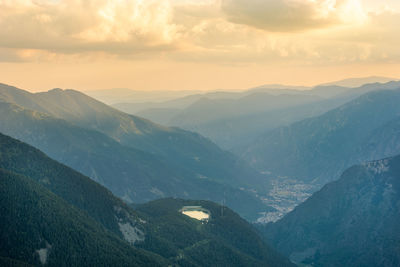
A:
(182, 149)
(52, 214)
(40, 228)
(350, 222)
(234, 241)
(131, 174)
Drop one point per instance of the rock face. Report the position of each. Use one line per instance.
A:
(350, 222)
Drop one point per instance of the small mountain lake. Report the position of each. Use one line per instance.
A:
(196, 212)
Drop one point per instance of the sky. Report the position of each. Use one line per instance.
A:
(195, 44)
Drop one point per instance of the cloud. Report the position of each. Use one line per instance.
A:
(377, 39)
(120, 26)
(292, 15)
(214, 31)
(10, 55)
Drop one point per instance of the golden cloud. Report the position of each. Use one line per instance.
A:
(224, 31)
(292, 15)
(81, 25)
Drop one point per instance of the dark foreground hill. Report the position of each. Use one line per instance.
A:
(350, 222)
(40, 228)
(73, 187)
(232, 240)
(52, 214)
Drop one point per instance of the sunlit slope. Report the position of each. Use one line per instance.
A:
(181, 148)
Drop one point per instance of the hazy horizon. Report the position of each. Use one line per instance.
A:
(359, 81)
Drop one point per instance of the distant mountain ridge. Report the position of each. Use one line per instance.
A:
(357, 82)
(118, 95)
(231, 119)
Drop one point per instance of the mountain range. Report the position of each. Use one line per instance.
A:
(116, 96)
(319, 149)
(135, 158)
(357, 82)
(233, 119)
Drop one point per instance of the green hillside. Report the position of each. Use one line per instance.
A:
(38, 227)
(46, 206)
(225, 240)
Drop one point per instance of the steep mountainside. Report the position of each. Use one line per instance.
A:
(382, 142)
(134, 175)
(181, 149)
(320, 148)
(234, 241)
(73, 187)
(38, 227)
(350, 222)
(52, 214)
